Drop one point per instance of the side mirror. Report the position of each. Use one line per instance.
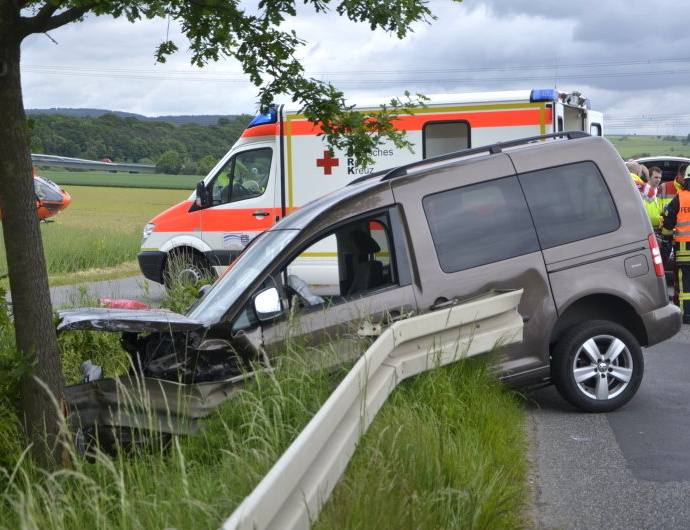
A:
(267, 304)
(202, 197)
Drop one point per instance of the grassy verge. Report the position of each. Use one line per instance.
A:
(446, 452)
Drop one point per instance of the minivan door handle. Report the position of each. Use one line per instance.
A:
(260, 213)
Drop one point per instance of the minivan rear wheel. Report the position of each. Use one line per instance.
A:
(597, 366)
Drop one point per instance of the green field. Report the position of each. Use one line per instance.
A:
(120, 180)
(636, 146)
(98, 236)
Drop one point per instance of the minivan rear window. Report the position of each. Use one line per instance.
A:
(479, 224)
(569, 203)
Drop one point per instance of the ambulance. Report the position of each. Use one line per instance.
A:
(281, 163)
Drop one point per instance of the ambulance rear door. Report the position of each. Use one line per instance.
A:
(595, 123)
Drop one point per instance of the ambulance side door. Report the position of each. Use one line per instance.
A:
(243, 197)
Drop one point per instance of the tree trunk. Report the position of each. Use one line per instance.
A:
(33, 317)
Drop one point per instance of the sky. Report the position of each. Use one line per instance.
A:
(631, 58)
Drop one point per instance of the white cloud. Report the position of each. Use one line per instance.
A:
(618, 52)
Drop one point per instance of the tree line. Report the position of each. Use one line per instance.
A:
(190, 149)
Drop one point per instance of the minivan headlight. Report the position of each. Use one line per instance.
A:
(147, 231)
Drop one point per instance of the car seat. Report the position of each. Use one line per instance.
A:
(368, 272)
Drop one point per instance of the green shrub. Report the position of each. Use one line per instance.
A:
(12, 367)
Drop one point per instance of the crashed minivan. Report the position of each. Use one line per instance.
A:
(555, 215)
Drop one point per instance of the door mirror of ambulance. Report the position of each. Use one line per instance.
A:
(202, 197)
(267, 304)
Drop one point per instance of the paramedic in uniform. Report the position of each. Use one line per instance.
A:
(677, 216)
(647, 192)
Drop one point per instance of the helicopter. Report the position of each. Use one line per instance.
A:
(51, 199)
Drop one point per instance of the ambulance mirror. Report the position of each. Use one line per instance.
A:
(202, 197)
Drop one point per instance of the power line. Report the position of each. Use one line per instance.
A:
(236, 77)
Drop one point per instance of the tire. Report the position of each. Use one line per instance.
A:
(597, 366)
(185, 268)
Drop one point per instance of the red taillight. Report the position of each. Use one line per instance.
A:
(656, 255)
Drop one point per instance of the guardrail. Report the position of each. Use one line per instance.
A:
(293, 492)
(79, 163)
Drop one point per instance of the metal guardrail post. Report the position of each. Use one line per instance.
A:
(293, 492)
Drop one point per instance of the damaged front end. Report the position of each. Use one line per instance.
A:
(178, 375)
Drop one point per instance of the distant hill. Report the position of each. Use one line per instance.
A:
(638, 145)
(206, 119)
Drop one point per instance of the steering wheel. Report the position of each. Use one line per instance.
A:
(239, 191)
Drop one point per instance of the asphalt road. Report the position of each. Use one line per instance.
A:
(136, 288)
(626, 469)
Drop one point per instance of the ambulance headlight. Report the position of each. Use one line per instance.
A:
(147, 231)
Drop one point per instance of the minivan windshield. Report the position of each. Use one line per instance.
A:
(230, 286)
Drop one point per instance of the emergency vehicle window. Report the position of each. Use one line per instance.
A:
(480, 224)
(569, 203)
(595, 129)
(244, 176)
(445, 137)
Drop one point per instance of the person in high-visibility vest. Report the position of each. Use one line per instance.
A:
(654, 207)
(676, 225)
(647, 192)
(669, 189)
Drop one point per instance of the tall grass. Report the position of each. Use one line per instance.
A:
(446, 452)
(194, 483)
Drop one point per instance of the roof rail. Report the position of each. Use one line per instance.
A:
(491, 149)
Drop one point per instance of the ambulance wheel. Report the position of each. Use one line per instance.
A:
(186, 268)
(597, 366)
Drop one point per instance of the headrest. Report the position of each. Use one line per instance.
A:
(364, 243)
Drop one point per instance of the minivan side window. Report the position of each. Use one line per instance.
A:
(358, 260)
(244, 176)
(479, 224)
(569, 203)
(353, 261)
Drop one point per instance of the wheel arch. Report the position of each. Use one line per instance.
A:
(600, 307)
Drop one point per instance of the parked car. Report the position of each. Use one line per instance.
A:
(554, 215)
(668, 165)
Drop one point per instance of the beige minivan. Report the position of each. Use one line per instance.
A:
(555, 215)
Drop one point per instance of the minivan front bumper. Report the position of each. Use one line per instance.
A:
(662, 324)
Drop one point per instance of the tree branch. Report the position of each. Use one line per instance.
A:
(45, 21)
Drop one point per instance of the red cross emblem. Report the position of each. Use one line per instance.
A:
(327, 163)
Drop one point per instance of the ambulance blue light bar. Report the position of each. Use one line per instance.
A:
(543, 94)
(262, 119)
